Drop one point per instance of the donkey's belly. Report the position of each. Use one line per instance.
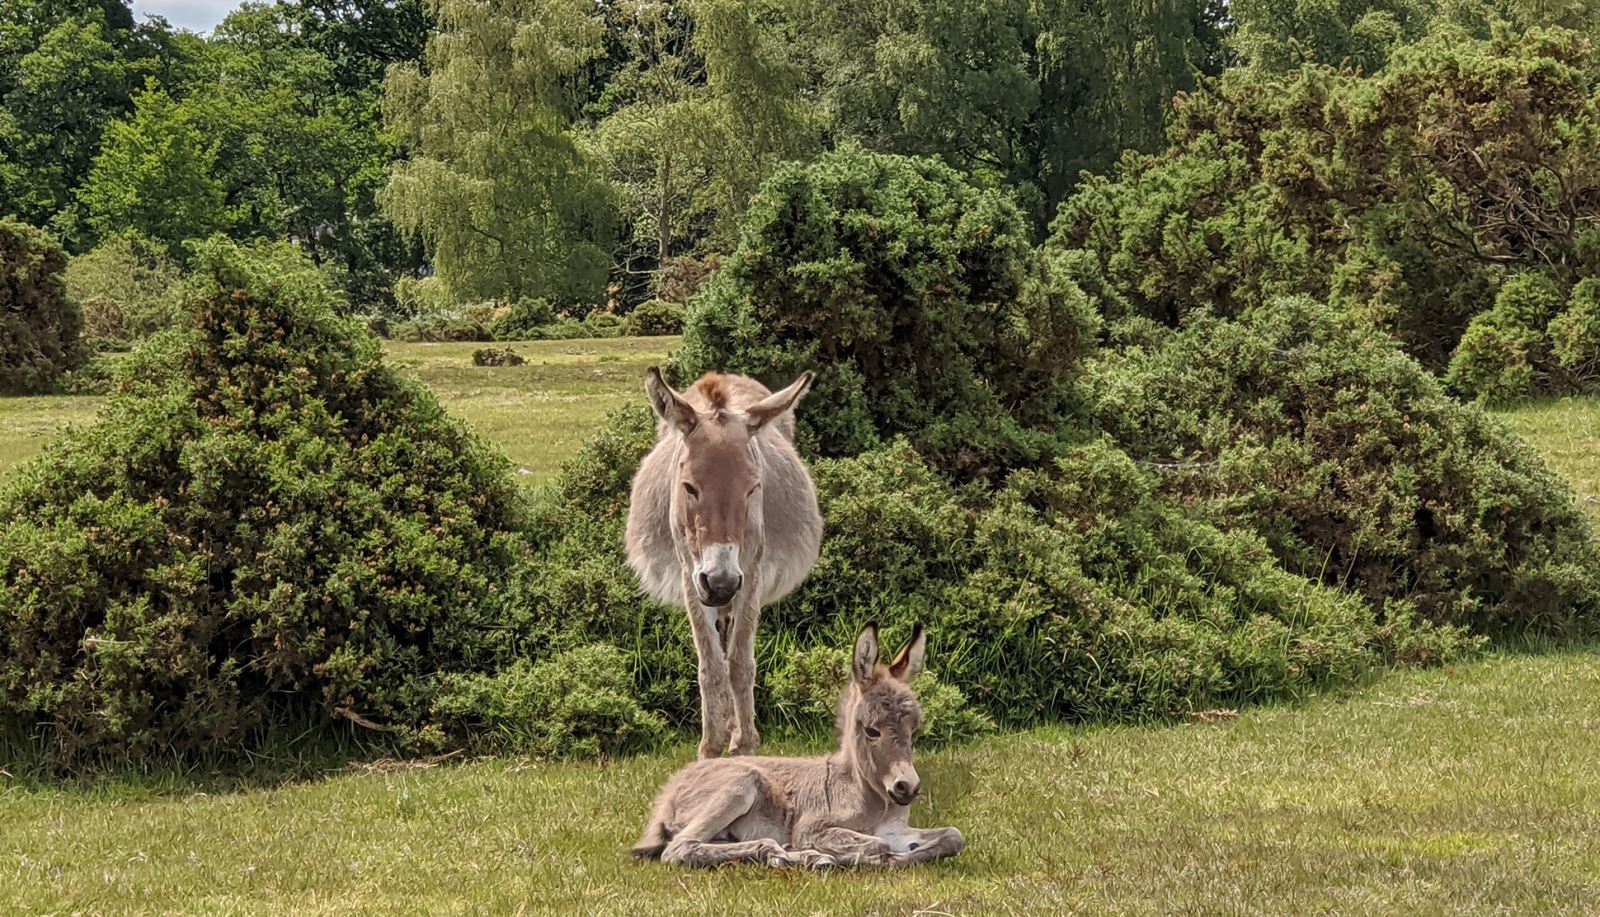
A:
(758, 823)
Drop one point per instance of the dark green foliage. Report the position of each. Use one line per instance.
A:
(1530, 342)
(1406, 197)
(653, 318)
(439, 328)
(917, 300)
(496, 356)
(265, 522)
(1302, 425)
(39, 325)
(577, 704)
(523, 321)
(603, 324)
(1074, 592)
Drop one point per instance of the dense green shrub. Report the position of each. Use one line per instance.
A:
(654, 318)
(603, 324)
(436, 329)
(915, 297)
(264, 520)
(577, 704)
(1303, 425)
(1530, 342)
(128, 289)
(496, 356)
(1406, 197)
(1075, 591)
(523, 321)
(39, 323)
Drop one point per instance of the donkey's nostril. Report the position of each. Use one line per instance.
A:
(901, 788)
(704, 582)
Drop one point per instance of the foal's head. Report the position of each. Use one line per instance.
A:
(880, 717)
(716, 499)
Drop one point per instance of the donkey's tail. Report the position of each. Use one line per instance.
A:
(653, 841)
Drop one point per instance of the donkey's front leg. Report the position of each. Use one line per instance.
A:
(924, 845)
(845, 847)
(742, 669)
(716, 695)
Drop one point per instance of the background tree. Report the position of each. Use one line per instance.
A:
(497, 183)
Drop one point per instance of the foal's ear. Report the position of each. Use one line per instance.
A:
(668, 404)
(773, 406)
(865, 658)
(908, 665)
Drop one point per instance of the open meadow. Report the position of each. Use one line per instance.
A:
(1467, 789)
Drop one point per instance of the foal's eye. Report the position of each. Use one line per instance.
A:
(873, 733)
(693, 490)
(753, 488)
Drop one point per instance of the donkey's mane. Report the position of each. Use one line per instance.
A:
(714, 388)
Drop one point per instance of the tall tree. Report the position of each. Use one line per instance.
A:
(498, 183)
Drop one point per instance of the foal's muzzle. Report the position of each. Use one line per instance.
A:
(904, 793)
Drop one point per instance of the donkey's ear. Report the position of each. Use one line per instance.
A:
(764, 411)
(668, 404)
(908, 665)
(865, 658)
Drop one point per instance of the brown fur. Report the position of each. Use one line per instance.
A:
(840, 809)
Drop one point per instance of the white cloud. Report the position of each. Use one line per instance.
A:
(196, 15)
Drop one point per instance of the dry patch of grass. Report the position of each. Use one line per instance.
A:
(1469, 790)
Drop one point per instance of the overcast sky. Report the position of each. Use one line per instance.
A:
(196, 15)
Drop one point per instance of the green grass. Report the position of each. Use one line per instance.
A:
(538, 414)
(1453, 791)
(27, 425)
(1566, 432)
(1450, 791)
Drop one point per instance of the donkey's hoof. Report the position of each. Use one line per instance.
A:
(745, 743)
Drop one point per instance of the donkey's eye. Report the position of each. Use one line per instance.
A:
(753, 488)
(873, 733)
(693, 490)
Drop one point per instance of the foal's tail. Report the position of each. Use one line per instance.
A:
(656, 835)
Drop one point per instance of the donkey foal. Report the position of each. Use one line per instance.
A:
(848, 808)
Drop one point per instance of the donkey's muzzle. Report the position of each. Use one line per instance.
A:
(904, 793)
(718, 589)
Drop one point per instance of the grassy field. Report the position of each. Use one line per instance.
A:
(1466, 790)
(537, 414)
(1459, 791)
(1566, 432)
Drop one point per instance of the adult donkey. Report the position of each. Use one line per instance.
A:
(723, 519)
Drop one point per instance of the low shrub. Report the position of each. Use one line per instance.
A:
(265, 522)
(524, 320)
(603, 324)
(579, 703)
(1076, 591)
(39, 323)
(680, 279)
(496, 356)
(654, 318)
(128, 288)
(440, 329)
(1347, 457)
(1534, 340)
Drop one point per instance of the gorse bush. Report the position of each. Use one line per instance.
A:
(1306, 427)
(654, 318)
(1531, 341)
(916, 298)
(1075, 592)
(39, 324)
(265, 522)
(128, 288)
(577, 704)
(1407, 197)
